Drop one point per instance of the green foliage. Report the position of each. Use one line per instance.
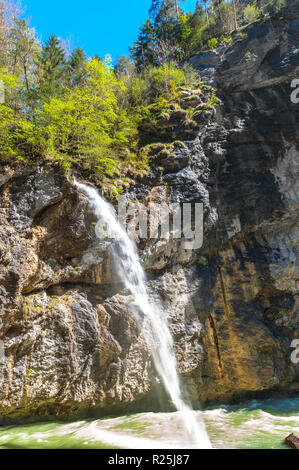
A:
(9, 80)
(51, 66)
(151, 91)
(80, 121)
(164, 9)
(86, 114)
(202, 261)
(142, 51)
(274, 6)
(164, 80)
(170, 35)
(213, 43)
(24, 49)
(70, 122)
(137, 92)
(191, 28)
(251, 13)
(86, 125)
(226, 40)
(212, 99)
(17, 136)
(225, 16)
(191, 76)
(76, 67)
(31, 373)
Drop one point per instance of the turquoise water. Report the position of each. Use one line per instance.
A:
(253, 425)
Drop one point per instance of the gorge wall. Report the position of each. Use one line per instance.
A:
(70, 342)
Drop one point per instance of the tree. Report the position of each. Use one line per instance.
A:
(191, 28)
(24, 49)
(273, 6)
(165, 52)
(82, 120)
(223, 15)
(141, 52)
(167, 9)
(235, 13)
(162, 9)
(215, 5)
(205, 6)
(4, 40)
(227, 17)
(76, 67)
(52, 67)
(124, 67)
(163, 81)
(9, 12)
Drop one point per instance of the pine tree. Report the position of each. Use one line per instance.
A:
(76, 67)
(165, 9)
(52, 67)
(141, 52)
(157, 7)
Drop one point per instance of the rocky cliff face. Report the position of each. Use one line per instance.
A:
(69, 342)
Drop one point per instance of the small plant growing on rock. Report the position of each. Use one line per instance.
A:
(212, 99)
(31, 373)
(213, 43)
(226, 40)
(202, 261)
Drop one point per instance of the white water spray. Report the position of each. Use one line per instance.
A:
(157, 334)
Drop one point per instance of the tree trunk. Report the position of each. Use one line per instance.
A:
(207, 12)
(177, 9)
(235, 14)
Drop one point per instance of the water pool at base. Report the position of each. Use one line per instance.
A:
(253, 425)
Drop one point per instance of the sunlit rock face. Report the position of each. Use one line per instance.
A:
(66, 348)
(70, 342)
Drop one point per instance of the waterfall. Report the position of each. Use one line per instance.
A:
(157, 333)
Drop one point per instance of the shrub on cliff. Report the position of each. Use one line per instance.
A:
(251, 13)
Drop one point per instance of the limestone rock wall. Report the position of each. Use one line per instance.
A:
(66, 348)
(69, 343)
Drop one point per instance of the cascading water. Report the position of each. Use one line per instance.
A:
(157, 333)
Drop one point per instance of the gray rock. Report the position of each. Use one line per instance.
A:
(70, 340)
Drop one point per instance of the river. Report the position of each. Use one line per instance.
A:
(258, 424)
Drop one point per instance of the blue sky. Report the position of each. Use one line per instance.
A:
(100, 27)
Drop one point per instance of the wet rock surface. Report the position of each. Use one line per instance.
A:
(70, 342)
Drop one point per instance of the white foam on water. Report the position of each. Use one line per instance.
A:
(228, 428)
(124, 441)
